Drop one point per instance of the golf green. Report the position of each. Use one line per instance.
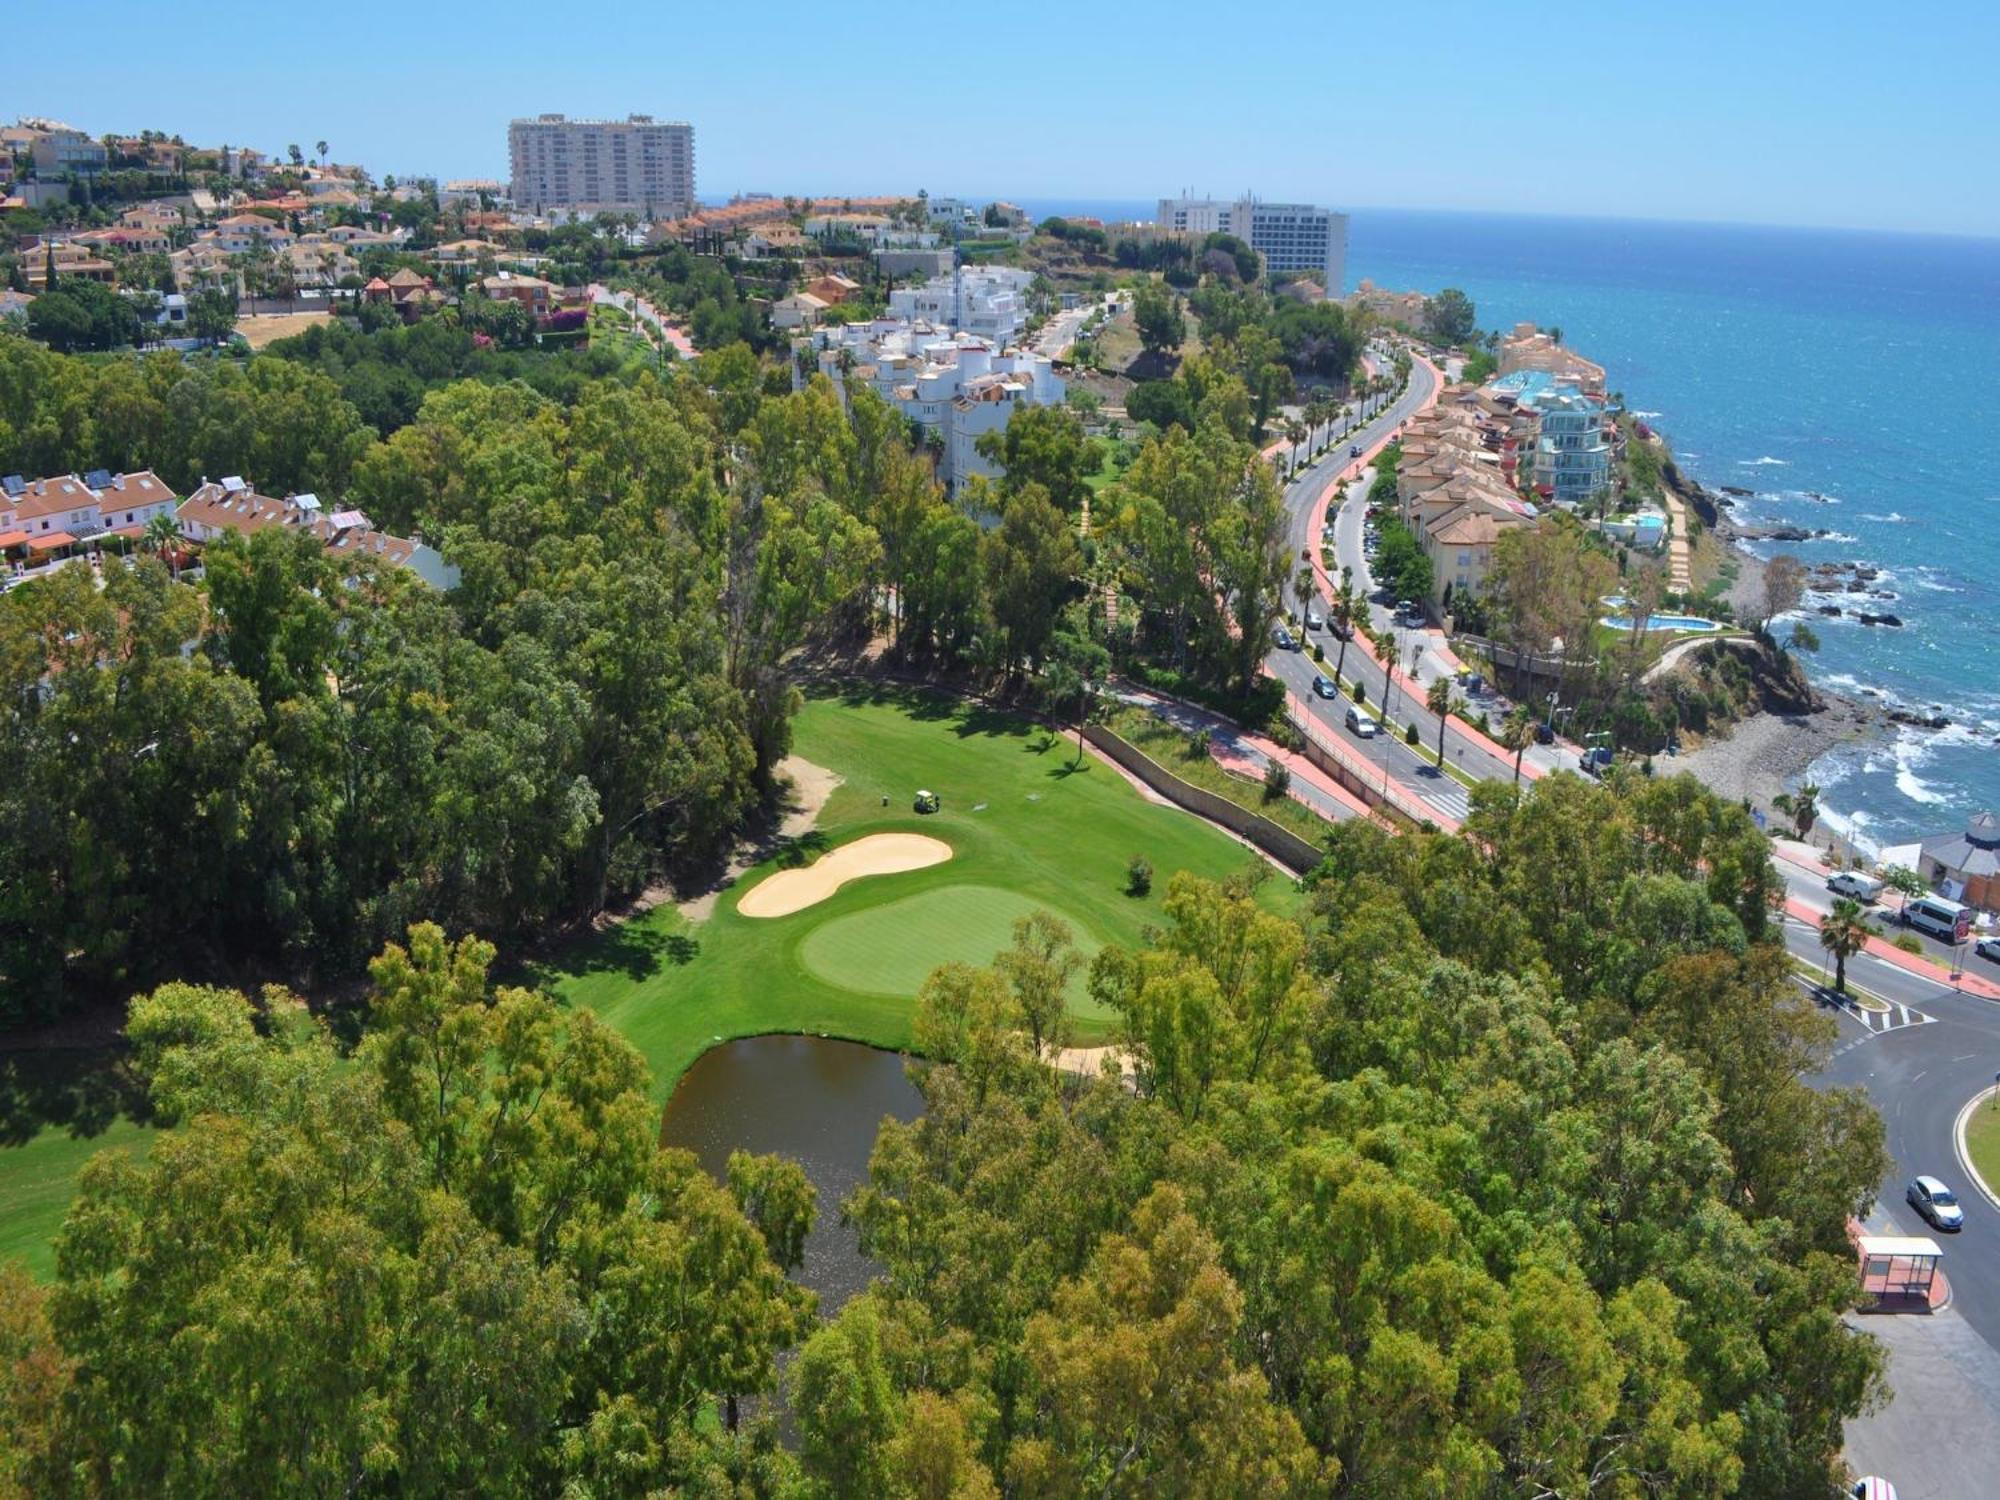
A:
(889, 949)
(1030, 825)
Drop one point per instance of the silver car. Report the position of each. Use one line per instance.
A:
(1936, 1203)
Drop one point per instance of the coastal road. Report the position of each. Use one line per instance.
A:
(1415, 774)
(1808, 885)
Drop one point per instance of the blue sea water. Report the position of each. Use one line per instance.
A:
(1797, 363)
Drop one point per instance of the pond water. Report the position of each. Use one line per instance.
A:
(816, 1101)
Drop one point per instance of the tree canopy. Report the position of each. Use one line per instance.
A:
(1496, 1176)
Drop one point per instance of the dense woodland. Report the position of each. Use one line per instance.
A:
(1492, 1176)
(276, 767)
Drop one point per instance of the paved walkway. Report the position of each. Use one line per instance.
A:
(1939, 1435)
(1235, 748)
(1680, 545)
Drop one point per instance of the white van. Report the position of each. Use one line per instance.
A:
(1937, 916)
(1853, 883)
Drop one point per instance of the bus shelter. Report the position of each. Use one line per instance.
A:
(1897, 1268)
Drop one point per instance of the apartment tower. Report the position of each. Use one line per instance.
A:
(637, 165)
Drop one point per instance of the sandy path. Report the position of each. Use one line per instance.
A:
(878, 854)
(809, 787)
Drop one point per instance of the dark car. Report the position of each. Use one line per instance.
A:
(1354, 450)
(1323, 686)
(1283, 639)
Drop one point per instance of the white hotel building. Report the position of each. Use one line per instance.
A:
(1289, 236)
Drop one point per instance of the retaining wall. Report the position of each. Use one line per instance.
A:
(1286, 847)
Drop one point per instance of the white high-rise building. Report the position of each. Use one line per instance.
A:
(1289, 236)
(636, 165)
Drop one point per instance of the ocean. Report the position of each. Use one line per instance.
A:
(1841, 376)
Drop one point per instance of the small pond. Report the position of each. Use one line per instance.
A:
(816, 1101)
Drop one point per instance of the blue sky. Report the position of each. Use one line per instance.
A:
(1868, 116)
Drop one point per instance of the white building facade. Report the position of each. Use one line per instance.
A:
(957, 385)
(990, 302)
(636, 165)
(1288, 236)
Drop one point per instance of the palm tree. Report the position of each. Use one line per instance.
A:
(1295, 433)
(1844, 932)
(1442, 701)
(320, 147)
(1802, 807)
(1302, 591)
(1517, 733)
(1344, 611)
(162, 534)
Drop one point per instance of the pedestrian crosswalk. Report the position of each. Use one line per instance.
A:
(1448, 797)
(1895, 1018)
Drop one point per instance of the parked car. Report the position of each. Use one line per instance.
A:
(1988, 947)
(1596, 760)
(1937, 1203)
(1873, 1488)
(1324, 686)
(1360, 724)
(1853, 883)
(1283, 639)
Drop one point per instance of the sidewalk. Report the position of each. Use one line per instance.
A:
(1235, 748)
(1939, 1434)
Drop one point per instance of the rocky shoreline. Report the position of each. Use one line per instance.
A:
(1767, 754)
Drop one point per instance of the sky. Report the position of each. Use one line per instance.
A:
(1858, 116)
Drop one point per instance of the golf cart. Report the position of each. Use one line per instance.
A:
(927, 802)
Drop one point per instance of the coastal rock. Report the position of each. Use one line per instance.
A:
(1829, 609)
(1918, 720)
(1737, 489)
(1868, 619)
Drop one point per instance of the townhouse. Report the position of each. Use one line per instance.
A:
(956, 385)
(39, 516)
(230, 504)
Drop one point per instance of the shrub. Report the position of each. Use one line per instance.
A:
(1360, 692)
(1410, 735)
(1319, 652)
(1138, 876)
(1277, 780)
(1909, 942)
(1198, 741)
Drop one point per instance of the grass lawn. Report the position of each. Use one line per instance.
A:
(38, 1179)
(1982, 1142)
(1026, 831)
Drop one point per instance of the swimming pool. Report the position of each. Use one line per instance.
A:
(1690, 623)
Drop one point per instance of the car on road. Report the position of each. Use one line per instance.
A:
(1853, 883)
(1354, 450)
(1873, 1488)
(1988, 947)
(1314, 619)
(1936, 1202)
(1283, 639)
(1324, 686)
(1360, 724)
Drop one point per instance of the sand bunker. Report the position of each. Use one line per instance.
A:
(878, 854)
